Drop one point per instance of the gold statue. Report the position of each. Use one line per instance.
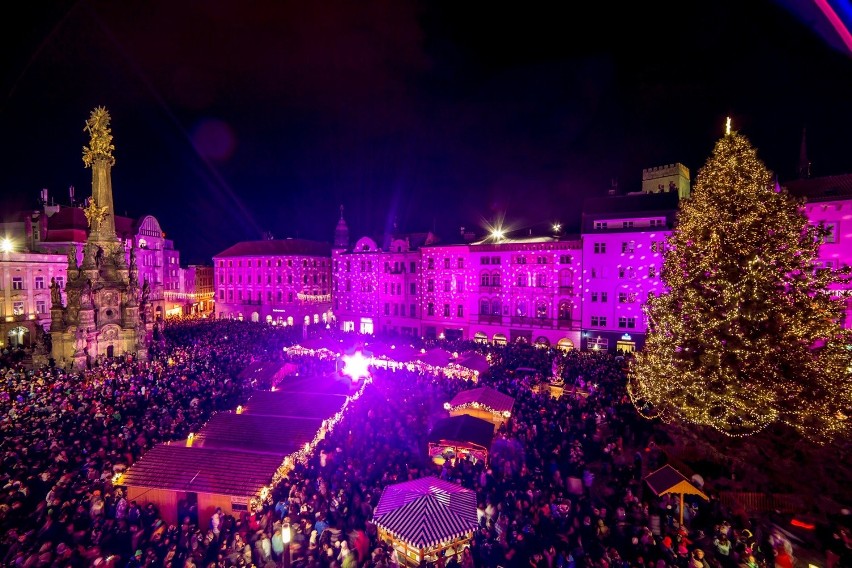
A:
(100, 138)
(94, 214)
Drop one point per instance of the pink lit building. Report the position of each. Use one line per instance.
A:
(285, 282)
(828, 200)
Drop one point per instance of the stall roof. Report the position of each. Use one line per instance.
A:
(274, 435)
(669, 480)
(176, 467)
(485, 396)
(426, 511)
(474, 361)
(463, 428)
(437, 357)
(295, 404)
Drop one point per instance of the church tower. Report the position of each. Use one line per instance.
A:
(102, 316)
(341, 233)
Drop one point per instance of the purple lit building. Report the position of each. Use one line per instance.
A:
(282, 282)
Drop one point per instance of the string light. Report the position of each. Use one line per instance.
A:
(748, 332)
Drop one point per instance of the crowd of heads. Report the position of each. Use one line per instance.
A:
(562, 489)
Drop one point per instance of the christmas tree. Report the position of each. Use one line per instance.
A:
(747, 333)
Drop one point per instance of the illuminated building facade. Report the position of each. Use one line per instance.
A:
(285, 282)
(194, 295)
(25, 301)
(624, 240)
(828, 200)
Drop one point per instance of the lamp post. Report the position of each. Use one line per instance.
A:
(285, 537)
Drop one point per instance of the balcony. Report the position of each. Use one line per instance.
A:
(489, 318)
(566, 290)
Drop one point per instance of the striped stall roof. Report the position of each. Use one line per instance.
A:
(276, 435)
(294, 404)
(426, 511)
(223, 472)
(486, 396)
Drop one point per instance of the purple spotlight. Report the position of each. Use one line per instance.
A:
(356, 366)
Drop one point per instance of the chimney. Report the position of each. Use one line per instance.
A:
(44, 196)
(71, 193)
(613, 187)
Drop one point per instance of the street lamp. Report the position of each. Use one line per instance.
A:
(285, 537)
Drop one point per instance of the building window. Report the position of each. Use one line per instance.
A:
(628, 247)
(430, 309)
(831, 235)
(594, 296)
(652, 272)
(484, 260)
(622, 297)
(627, 224)
(484, 307)
(221, 294)
(460, 311)
(484, 280)
(495, 279)
(446, 285)
(413, 267)
(495, 260)
(387, 309)
(39, 282)
(17, 283)
(598, 321)
(658, 222)
(460, 263)
(430, 285)
(600, 225)
(231, 295)
(60, 281)
(412, 310)
(412, 288)
(430, 263)
(564, 259)
(446, 310)
(627, 322)
(447, 263)
(520, 260)
(600, 248)
(41, 306)
(604, 297)
(18, 308)
(522, 280)
(541, 260)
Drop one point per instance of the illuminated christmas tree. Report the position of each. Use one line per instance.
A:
(748, 332)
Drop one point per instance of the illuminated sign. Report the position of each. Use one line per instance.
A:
(626, 337)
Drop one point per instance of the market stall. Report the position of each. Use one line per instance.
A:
(461, 437)
(426, 518)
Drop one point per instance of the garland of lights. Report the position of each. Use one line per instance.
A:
(500, 414)
(748, 331)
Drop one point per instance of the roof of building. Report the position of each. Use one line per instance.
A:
(176, 467)
(275, 435)
(284, 402)
(426, 511)
(74, 219)
(285, 247)
(633, 203)
(827, 188)
(484, 396)
(463, 428)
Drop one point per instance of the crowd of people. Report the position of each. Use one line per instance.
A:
(563, 487)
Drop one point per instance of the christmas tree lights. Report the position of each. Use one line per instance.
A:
(748, 332)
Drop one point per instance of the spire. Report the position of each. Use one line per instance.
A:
(804, 164)
(341, 233)
(98, 156)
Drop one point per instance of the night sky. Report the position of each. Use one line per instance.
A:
(229, 121)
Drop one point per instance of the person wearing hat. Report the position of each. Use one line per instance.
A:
(697, 559)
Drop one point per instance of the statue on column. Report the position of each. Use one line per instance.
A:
(55, 294)
(72, 258)
(80, 340)
(86, 302)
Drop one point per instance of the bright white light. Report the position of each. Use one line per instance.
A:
(356, 366)
(6, 244)
(557, 227)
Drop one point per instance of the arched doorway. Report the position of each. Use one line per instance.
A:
(19, 337)
(565, 344)
(500, 339)
(542, 341)
(480, 337)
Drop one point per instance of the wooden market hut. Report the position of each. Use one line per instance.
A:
(463, 435)
(169, 473)
(669, 480)
(483, 402)
(426, 517)
(235, 454)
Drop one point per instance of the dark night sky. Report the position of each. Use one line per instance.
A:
(230, 121)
